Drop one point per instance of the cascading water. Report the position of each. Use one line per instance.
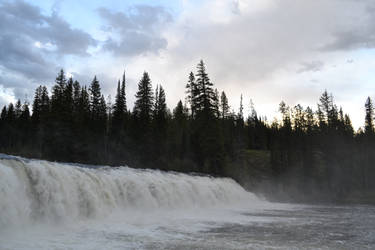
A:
(41, 191)
(45, 205)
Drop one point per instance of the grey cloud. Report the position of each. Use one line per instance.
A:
(23, 26)
(358, 30)
(137, 31)
(312, 66)
(252, 46)
(351, 39)
(67, 40)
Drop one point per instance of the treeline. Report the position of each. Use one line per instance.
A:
(75, 123)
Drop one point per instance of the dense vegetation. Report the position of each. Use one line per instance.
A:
(308, 150)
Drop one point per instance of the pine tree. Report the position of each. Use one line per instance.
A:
(310, 122)
(76, 103)
(120, 107)
(216, 104)
(123, 93)
(37, 105)
(299, 118)
(18, 109)
(76, 93)
(369, 119)
(160, 122)
(204, 98)
(240, 112)
(224, 106)
(253, 113)
(68, 100)
(191, 92)
(144, 101)
(206, 138)
(98, 107)
(328, 110)
(285, 111)
(3, 114)
(58, 89)
(348, 126)
(11, 114)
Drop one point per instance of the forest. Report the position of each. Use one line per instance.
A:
(313, 151)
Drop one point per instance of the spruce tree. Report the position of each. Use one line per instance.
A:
(160, 122)
(3, 113)
(216, 105)
(144, 101)
(206, 137)
(204, 98)
(120, 107)
(224, 106)
(369, 119)
(98, 107)
(57, 100)
(240, 113)
(191, 92)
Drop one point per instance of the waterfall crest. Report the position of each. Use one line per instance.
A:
(34, 190)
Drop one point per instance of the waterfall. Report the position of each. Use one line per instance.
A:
(37, 191)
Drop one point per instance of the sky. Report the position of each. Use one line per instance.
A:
(266, 50)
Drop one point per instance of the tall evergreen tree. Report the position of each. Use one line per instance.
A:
(224, 106)
(216, 101)
(206, 138)
(369, 119)
(120, 107)
(204, 99)
(144, 101)
(191, 93)
(57, 100)
(97, 107)
(240, 112)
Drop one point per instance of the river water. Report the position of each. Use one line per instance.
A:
(46, 205)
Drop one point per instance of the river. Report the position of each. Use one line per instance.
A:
(45, 205)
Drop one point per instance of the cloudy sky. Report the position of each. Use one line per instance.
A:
(268, 50)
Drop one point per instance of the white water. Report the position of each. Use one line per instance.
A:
(46, 205)
(67, 198)
(32, 191)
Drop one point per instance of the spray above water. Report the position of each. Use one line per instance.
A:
(41, 191)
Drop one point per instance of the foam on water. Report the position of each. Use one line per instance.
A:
(45, 205)
(33, 191)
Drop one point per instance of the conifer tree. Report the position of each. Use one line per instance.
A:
(216, 105)
(123, 93)
(97, 107)
(58, 89)
(204, 98)
(310, 122)
(160, 121)
(206, 138)
(18, 109)
(3, 113)
(369, 119)
(76, 93)
(253, 113)
(68, 99)
(191, 92)
(11, 114)
(240, 112)
(144, 101)
(120, 107)
(224, 105)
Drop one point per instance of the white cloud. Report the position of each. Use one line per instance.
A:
(268, 50)
(258, 50)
